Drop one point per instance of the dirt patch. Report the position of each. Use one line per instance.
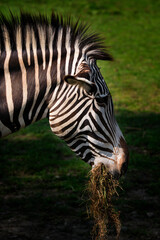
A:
(23, 218)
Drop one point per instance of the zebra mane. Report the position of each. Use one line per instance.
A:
(93, 42)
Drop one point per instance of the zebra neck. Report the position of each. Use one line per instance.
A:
(24, 93)
(30, 71)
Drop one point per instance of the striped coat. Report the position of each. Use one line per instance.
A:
(48, 68)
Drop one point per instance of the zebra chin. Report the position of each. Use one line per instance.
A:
(117, 163)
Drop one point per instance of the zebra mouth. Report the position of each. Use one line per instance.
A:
(117, 163)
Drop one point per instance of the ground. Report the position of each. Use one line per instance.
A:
(25, 215)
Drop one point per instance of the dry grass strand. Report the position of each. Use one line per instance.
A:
(101, 188)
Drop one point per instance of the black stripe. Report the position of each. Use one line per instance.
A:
(102, 119)
(82, 106)
(100, 129)
(4, 111)
(30, 94)
(17, 95)
(42, 89)
(42, 110)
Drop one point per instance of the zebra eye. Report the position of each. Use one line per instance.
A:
(103, 100)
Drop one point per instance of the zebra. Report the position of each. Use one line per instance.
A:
(48, 69)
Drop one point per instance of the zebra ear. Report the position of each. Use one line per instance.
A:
(81, 82)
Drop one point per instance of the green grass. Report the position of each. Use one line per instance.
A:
(39, 168)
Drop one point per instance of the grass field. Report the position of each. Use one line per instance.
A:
(42, 182)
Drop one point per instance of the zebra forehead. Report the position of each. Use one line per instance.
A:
(44, 27)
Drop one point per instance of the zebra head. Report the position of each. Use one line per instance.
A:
(85, 120)
(53, 63)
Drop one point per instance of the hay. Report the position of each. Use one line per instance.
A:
(101, 188)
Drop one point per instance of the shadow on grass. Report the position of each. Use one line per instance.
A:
(42, 183)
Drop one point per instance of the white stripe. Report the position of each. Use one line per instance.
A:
(51, 34)
(45, 113)
(76, 54)
(99, 143)
(72, 91)
(74, 140)
(59, 101)
(24, 75)
(7, 74)
(62, 92)
(83, 57)
(83, 144)
(59, 46)
(28, 44)
(85, 153)
(58, 132)
(49, 80)
(68, 49)
(97, 119)
(110, 122)
(70, 110)
(95, 51)
(53, 98)
(42, 40)
(36, 69)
